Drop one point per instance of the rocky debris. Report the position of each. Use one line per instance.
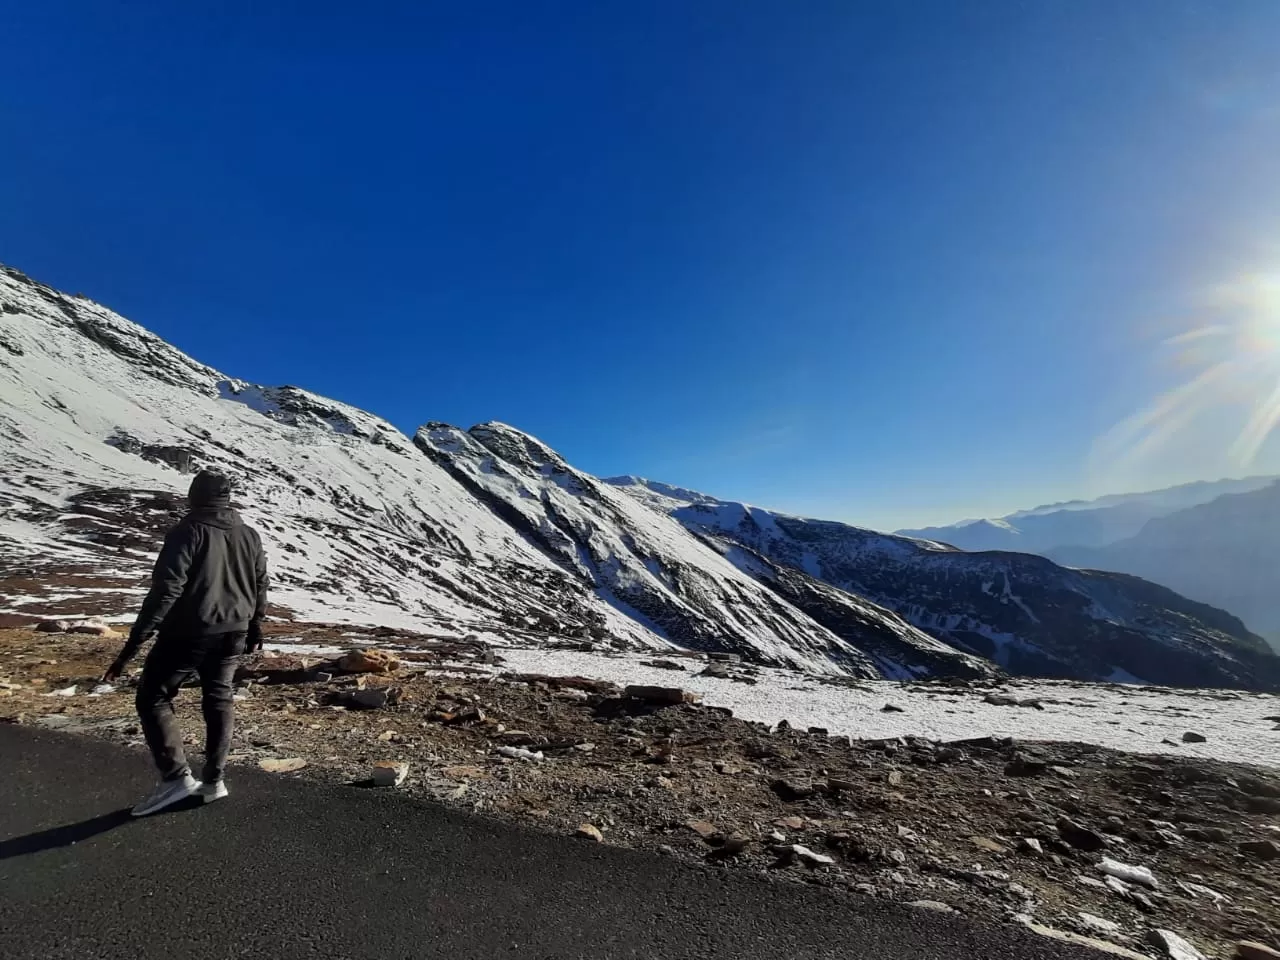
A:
(282, 765)
(1192, 737)
(1173, 946)
(520, 753)
(1252, 950)
(707, 831)
(374, 698)
(53, 626)
(892, 708)
(368, 661)
(389, 773)
(664, 664)
(790, 791)
(1098, 924)
(1004, 700)
(585, 684)
(665, 696)
(1080, 837)
(1031, 845)
(1025, 765)
(1206, 834)
(937, 906)
(1128, 873)
(1082, 941)
(589, 831)
(1262, 849)
(987, 845)
(95, 628)
(794, 851)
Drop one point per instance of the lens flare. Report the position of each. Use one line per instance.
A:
(1232, 360)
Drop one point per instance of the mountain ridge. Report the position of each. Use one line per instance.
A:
(486, 530)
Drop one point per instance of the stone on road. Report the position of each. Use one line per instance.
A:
(288, 868)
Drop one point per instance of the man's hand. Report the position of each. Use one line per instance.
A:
(112, 673)
(253, 640)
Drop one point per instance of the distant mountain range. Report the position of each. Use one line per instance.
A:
(1216, 541)
(490, 531)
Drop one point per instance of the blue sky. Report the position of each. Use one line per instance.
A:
(893, 263)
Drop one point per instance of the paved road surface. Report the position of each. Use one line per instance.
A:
(288, 869)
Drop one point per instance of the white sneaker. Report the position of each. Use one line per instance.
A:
(167, 793)
(210, 792)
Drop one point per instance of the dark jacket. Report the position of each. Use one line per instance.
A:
(210, 577)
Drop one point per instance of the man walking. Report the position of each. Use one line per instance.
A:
(207, 599)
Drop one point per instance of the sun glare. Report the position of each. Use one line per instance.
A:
(1231, 365)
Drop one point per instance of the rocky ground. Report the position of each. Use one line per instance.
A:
(997, 829)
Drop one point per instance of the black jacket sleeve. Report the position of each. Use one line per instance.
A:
(263, 581)
(167, 583)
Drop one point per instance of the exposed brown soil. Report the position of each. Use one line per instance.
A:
(905, 819)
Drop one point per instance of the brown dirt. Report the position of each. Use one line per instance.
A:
(904, 819)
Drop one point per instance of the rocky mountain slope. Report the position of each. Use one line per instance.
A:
(1225, 552)
(1082, 523)
(1025, 612)
(489, 531)
(476, 531)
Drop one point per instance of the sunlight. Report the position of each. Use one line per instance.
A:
(1233, 363)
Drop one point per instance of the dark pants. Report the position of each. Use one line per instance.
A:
(171, 663)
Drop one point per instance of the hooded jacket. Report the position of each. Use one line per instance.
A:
(211, 575)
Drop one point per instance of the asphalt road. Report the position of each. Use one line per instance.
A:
(288, 869)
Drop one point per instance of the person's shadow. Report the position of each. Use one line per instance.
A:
(64, 835)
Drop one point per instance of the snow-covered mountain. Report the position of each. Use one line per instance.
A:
(1082, 523)
(1025, 612)
(488, 530)
(1225, 552)
(468, 531)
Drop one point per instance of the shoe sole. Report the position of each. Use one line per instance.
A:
(178, 797)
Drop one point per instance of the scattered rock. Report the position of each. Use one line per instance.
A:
(1173, 946)
(791, 823)
(707, 831)
(666, 696)
(1192, 737)
(1252, 950)
(894, 779)
(53, 626)
(664, 664)
(731, 847)
(1083, 941)
(286, 765)
(389, 773)
(1129, 873)
(1098, 924)
(1206, 834)
(64, 692)
(987, 844)
(1080, 837)
(1031, 845)
(937, 906)
(369, 661)
(1023, 765)
(93, 627)
(370, 699)
(806, 856)
(892, 708)
(789, 791)
(589, 832)
(1262, 849)
(520, 753)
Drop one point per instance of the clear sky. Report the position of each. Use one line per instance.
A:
(894, 263)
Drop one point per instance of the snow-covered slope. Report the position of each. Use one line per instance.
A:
(1225, 552)
(1082, 523)
(101, 420)
(1030, 615)
(697, 593)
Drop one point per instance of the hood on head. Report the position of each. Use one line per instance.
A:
(209, 489)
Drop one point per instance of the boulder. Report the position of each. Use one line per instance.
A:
(94, 628)
(1192, 737)
(665, 696)
(1080, 837)
(389, 773)
(1252, 950)
(1262, 849)
(282, 765)
(937, 906)
(369, 661)
(589, 832)
(371, 699)
(1173, 946)
(52, 626)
